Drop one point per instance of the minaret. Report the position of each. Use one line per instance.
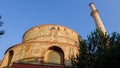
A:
(97, 19)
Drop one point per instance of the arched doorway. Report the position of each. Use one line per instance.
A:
(54, 55)
(10, 56)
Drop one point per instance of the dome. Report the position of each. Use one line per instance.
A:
(51, 33)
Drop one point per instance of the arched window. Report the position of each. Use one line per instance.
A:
(54, 55)
(10, 56)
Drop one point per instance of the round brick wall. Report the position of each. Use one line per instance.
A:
(39, 40)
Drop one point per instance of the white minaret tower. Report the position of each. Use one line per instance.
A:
(97, 19)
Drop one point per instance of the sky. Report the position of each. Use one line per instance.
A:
(20, 15)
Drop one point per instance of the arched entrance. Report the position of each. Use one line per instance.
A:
(54, 55)
(11, 53)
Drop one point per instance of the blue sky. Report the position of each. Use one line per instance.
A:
(20, 15)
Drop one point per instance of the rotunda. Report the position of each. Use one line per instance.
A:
(48, 44)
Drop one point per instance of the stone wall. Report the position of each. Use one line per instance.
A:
(38, 40)
(54, 31)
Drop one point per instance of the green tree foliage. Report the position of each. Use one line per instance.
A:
(110, 55)
(99, 51)
(1, 23)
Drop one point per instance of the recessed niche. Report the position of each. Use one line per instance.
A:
(52, 28)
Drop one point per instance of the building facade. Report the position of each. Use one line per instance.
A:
(43, 46)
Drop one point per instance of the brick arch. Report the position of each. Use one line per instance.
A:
(54, 55)
(10, 56)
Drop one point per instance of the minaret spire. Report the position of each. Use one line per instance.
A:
(97, 19)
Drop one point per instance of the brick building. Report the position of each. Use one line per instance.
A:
(45, 46)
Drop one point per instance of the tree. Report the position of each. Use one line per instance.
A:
(1, 31)
(110, 56)
(99, 51)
